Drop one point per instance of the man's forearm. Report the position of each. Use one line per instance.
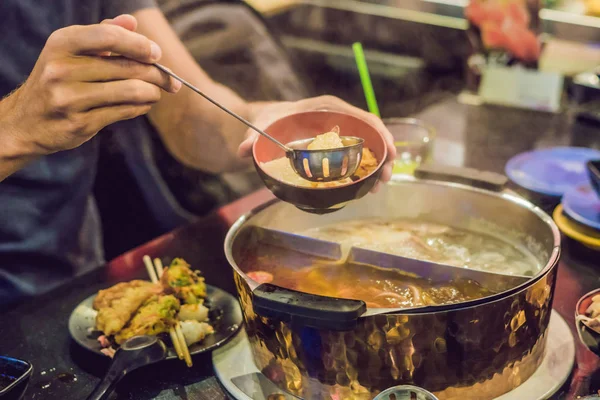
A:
(13, 156)
(195, 131)
(216, 138)
(201, 135)
(10, 164)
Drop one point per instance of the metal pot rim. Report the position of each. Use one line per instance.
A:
(505, 195)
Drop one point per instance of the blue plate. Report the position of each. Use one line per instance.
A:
(583, 205)
(551, 172)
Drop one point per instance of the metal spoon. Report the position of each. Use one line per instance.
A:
(136, 352)
(312, 165)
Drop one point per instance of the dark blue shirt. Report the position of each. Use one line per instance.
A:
(49, 228)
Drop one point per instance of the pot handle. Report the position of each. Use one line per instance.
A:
(466, 176)
(320, 312)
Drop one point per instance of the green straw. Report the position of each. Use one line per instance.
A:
(365, 78)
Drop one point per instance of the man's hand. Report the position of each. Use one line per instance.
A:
(76, 88)
(270, 112)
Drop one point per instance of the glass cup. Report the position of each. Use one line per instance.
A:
(414, 143)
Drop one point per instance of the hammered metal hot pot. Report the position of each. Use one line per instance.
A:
(323, 348)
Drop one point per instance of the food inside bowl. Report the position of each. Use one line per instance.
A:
(591, 318)
(327, 140)
(384, 288)
(282, 170)
(144, 308)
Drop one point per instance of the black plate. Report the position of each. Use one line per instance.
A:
(224, 313)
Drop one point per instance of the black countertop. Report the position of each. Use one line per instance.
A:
(481, 137)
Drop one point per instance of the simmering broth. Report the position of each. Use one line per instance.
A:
(432, 242)
(376, 287)
(385, 288)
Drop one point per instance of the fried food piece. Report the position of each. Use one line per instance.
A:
(157, 315)
(107, 296)
(184, 283)
(194, 331)
(113, 318)
(593, 310)
(196, 312)
(327, 140)
(367, 164)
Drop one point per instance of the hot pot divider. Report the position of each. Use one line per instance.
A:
(434, 271)
(297, 243)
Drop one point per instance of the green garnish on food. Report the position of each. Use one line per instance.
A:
(155, 316)
(183, 282)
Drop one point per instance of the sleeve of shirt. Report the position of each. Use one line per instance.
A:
(113, 8)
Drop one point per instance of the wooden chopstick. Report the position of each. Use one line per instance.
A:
(176, 344)
(159, 267)
(186, 352)
(154, 279)
(183, 353)
(150, 269)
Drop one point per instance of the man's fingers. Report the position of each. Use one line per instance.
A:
(245, 148)
(99, 38)
(376, 187)
(87, 96)
(100, 117)
(386, 173)
(105, 53)
(105, 69)
(124, 21)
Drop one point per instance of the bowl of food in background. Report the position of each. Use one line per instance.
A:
(318, 197)
(414, 143)
(587, 320)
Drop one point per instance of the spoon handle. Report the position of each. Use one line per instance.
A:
(106, 386)
(228, 111)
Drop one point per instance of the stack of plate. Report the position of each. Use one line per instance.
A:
(571, 176)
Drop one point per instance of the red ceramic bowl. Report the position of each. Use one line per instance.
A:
(589, 337)
(585, 301)
(308, 125)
